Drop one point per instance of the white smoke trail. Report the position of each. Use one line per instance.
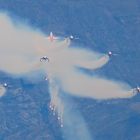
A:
(56, 105)
(64, 65)
(21, 49)
(75, 127)
(2, 90)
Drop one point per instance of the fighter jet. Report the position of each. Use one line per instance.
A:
(71, 37)
(51, 37)
(136, 90)
(5, 85)
(44, 59)
(109, 53)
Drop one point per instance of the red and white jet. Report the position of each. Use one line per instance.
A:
(51, 37)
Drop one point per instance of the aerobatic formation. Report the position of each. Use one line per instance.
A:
(30, 51)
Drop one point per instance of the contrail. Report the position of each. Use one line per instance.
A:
(2, 90)
(75, 127)
(21, 49)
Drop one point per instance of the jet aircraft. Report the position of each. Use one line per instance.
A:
(137, 89)
(51, 37)
(44, 59)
